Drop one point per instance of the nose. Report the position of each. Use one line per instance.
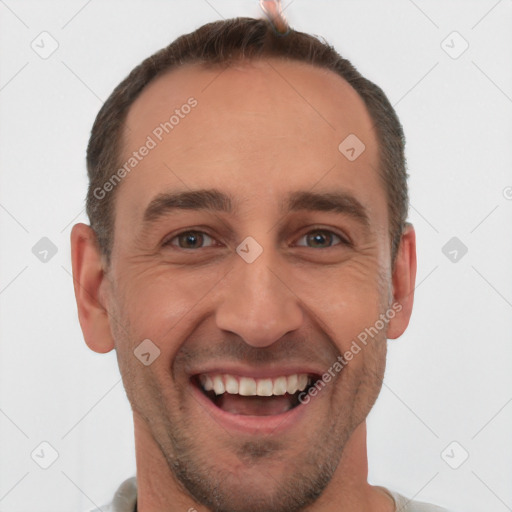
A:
(257, 303)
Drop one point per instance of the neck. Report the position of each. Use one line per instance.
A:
(348, 491)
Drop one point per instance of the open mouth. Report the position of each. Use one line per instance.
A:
(252, 396)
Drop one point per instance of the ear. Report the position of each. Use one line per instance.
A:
(404, 279)
(89, 282)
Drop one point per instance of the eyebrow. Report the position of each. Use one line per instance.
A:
(215, 201)
(336, 202)
(204, 199)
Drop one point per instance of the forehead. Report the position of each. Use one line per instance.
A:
(257, 127)
(270, 91)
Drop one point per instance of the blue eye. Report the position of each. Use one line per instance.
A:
(320, 239)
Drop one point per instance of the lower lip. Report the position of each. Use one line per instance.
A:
(245, 424)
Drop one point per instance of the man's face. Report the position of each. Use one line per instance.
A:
(266, 136)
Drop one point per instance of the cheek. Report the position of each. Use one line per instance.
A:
(157, 299)
(344, 301)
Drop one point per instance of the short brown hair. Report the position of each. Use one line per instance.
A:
(220, 43)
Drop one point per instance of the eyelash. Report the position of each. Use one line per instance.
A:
(343, 240)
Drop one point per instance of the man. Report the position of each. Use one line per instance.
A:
(248, 258)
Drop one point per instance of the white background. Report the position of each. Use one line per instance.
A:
(448, 378)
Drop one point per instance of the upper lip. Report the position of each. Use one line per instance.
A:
(257, 373)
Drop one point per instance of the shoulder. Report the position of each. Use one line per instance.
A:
(404, 504)
(124, 499)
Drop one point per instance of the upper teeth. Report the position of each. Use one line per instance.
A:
(247, 386)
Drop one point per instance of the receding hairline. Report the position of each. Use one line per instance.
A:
(240, 63)
(217, 42)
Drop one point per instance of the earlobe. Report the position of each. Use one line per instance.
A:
(404, 280)
(89, 281)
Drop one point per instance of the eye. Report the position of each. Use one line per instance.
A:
(189, 240)
(316, 239)
(321, 239)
